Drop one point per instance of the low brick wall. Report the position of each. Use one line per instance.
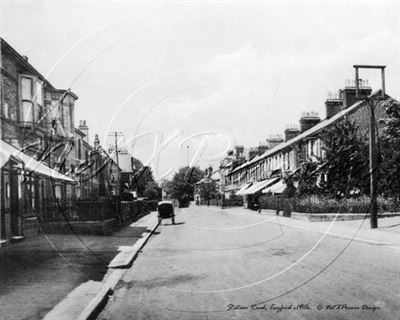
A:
(105, 227)
(319, 217)
(100, 217)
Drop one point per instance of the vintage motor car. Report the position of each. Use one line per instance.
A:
(165, 211)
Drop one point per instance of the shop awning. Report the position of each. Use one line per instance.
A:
(278, 187)
(7, 151)
(242, 189)
(5, 154)
(259, 186)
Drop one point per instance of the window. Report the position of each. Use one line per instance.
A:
(8, 195)
(9, 112)
(31, 99)
(58, 192)
(27, 99)
(79, 149)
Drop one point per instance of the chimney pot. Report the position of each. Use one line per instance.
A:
(85, 129)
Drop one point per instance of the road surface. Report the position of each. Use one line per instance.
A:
(237, 264)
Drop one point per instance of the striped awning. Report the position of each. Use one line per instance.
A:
(242, 189)
(231, 188)
(276, 188)
(259, 186)
(8, 152)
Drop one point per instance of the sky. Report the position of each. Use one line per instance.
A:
(184, 81)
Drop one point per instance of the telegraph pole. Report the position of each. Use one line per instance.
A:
(116, 135)
(373, 169)
(187, 155)
(116, 157)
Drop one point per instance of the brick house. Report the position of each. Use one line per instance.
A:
(47, 164)
(264, 172)
(36, 131)
(95, 171)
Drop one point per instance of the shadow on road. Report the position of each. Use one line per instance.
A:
(170, 224)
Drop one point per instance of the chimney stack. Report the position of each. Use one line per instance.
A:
(291, 131)
(333, 104)
(349, 92)
(252, 153)
(308, 120)
(85, 129)
(274, 140)
(262, 148)
(239, 152)
(96, 142)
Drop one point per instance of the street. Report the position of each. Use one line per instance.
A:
(237, 264)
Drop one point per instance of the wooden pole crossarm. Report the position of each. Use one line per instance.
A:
(365, 66)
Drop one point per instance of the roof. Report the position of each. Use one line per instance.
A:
(216, 175)
(27, 65)
(321, 125)
(124, 161)
(81, 133)
(105, 154)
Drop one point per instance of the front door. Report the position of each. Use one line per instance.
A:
(14, 204)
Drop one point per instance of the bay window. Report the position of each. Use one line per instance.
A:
(31, 99)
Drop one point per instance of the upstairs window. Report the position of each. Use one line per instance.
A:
(31, 99)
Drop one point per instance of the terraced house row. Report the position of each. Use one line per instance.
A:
(263, 173)
(46, 160)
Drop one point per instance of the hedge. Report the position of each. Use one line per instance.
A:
(319, 204)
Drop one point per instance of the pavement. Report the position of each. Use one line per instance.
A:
(237, 264)
(43, 272)
(387, 233)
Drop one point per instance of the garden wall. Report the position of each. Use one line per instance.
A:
(99, 217)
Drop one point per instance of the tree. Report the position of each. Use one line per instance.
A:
(208, 190)
(389, 147)
(143, 180)
(182, 185)
(306, 179)
(343, 170)
(346, 160)
(152, 191)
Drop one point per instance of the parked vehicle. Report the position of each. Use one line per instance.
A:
(165, 211)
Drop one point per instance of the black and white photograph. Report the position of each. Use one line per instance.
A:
(199, 160)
